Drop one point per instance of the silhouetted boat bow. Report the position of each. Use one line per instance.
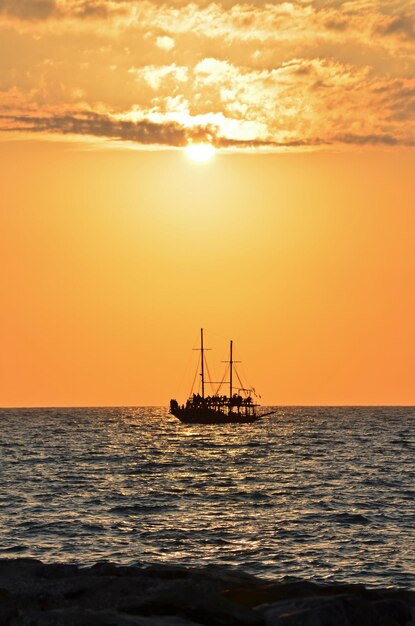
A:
(237, 407)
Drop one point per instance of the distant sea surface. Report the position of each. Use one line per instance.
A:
(314, 493)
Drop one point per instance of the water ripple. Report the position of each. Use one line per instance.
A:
(319, 493)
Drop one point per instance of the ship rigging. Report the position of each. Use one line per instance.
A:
(236, 407)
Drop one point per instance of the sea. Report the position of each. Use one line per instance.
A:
(316, 493)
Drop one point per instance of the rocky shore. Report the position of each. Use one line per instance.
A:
(36, 594)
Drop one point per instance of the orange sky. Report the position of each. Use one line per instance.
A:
(295, 240)
(112, 260)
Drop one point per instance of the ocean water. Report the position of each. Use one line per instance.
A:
(313, 493)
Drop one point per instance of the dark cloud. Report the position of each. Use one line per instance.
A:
(98, 9)
(400, 25)
(403, 107)
(43, 9)
(168, 133)
(28, 9)
(143, 132)
(373, 140)
(302, 70)
(328, 4)
(336, 24)
(93, 9)
(224, 142)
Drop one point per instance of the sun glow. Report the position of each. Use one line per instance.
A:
(200, 152)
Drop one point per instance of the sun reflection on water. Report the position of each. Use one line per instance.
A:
(302, 494)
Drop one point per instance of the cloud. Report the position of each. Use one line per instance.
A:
(155, 76)
(402, 26)
(28, 9)
(165, 43)
(171, 133)
(288, 22)
(92, 10)
(145, 132)
(373, 140)
(245, 74)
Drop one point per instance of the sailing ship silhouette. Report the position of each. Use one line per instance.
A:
(236, 407)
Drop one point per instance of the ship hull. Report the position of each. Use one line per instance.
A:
(210, 416)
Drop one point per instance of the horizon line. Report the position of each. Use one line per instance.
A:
(161, 406)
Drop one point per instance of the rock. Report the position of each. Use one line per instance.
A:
(195, 600)
(340, 610)
(106, 594)
(76, 617)
(8, 608)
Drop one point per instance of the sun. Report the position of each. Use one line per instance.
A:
(200, 152)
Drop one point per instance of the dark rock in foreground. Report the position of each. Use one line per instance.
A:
(34, 594)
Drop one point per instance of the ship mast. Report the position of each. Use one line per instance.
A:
(230, 369)
(202, 373)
